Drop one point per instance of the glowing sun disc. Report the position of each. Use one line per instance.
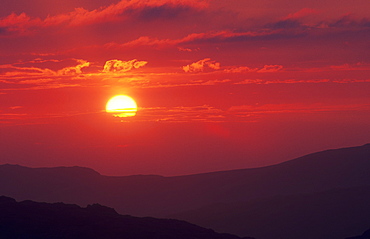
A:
(121, 106)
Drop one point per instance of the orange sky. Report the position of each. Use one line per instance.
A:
(219, 85)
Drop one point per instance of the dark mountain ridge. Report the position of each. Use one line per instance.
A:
(339, 168)
(246, 200)
(33, 220)
(334, 214)
(365, 235)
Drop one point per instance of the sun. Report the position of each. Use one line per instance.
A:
(121, 106)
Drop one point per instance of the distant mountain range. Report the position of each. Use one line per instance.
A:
(320, 195)
(33, 220)
(333, 214)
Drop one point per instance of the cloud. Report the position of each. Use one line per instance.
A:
(200, 65)
(200, 113)
(164, 9)
(271, 68)
(144, 41)
(74, 69)
(349, 21)
(37, 76)
(36, 81)
(346, 81)
(289, 27)
(302, 13)
(20, 24)
(250, 81)
(195, 39)
(22, 71)
(285, 24)
(359, 66)
(240, 69)
(122, 66)
(353, 67)
(295, 108)
(243, 69)
(287, 81)
(121, 11)
(215, 82)
(187, 49)
(239, 113)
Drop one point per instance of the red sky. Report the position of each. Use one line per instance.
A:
(219, 84)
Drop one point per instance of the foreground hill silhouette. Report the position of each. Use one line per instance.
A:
(315, 177)
(30, 219)
(365, 235)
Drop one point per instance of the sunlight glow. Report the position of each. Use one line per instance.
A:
(121, 106)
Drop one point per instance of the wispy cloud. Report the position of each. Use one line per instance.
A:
(271, 68)
(199, 38)
(121, 11)
(349, 21)
(208, 64)
(359, 66)
(37, 73)
(295, 108)
(240, 113)
(23, 76)
(19, 71)
(304, 12)
(264, 69)
(289, 27)
(202, 113)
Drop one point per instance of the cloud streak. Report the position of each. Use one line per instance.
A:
(208, 64)
(124, 10)
(289, 27)
(14, 71)
(304, 12)
(244, 69)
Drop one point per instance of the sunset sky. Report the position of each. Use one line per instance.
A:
(219, 84)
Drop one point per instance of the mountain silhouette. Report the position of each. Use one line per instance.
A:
(333, 214)
(339, 168)
(365, 235)
(28, 219)
(151, 195)
(338, 208)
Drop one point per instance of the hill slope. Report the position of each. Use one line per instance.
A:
(339, 168)
(365, 235)
(286, 200)
(30, 219)
(333, 214)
